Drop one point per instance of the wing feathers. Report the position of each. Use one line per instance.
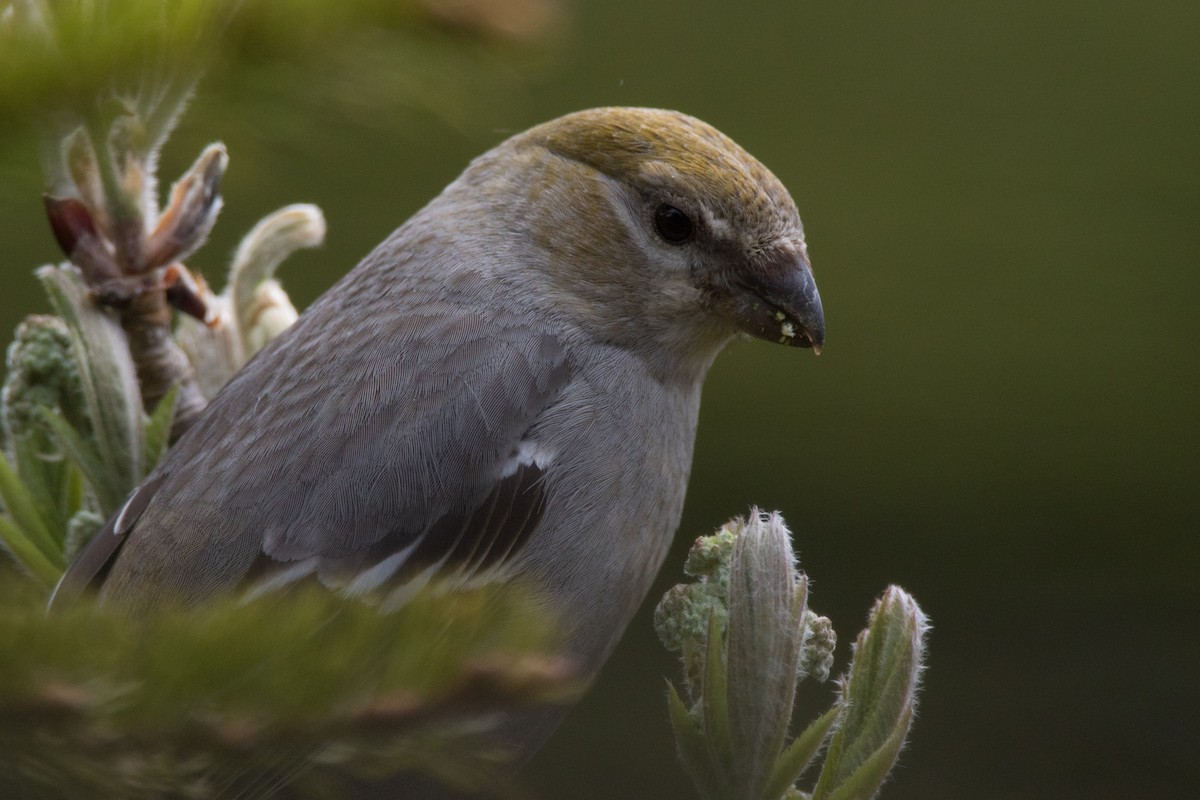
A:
(457, 491)
(421, 458)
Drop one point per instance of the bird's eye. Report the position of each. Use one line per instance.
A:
(672, 224)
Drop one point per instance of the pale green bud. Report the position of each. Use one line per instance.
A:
(767, 603)
(270, 313)
(261, 309)
(682, 616)
(709, 556)
(819, 643)
(747, 645)
(41, 374)
(879, 697)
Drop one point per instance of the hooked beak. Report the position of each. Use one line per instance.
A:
(776, 299)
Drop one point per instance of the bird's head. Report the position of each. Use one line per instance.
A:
(653, 225)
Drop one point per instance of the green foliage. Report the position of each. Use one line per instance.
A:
(24, 534)
(297, 689)
(77, 439)
(39, 490)
(758, 642)
(41, 373)
(878, 700)
(685, 613)
(111, 457)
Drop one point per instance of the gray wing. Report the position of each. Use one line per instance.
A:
(368, 458)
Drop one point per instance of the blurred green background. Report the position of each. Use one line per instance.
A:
(1003, 208)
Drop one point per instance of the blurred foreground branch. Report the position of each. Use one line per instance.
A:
(68, 53)
(297, 694)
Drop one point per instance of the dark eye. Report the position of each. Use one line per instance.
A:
(672, 224)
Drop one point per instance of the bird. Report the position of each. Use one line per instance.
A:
(506, 388)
